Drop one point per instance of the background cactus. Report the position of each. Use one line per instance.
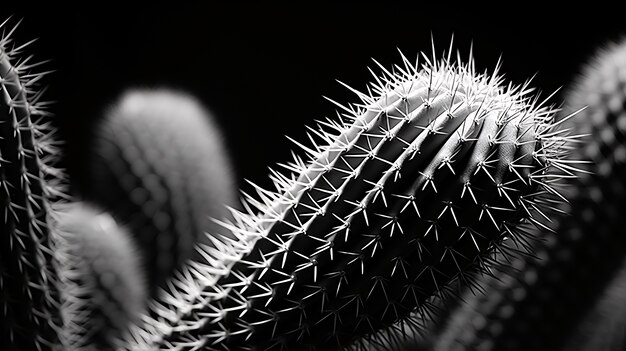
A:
(537, 306)
(602, 86)
(29, 310)
(103, 285)
(415, 188)
(159, 165)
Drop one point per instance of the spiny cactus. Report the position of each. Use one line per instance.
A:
(537, 306)
(159, 165)
(29, 311)
(103, 284)
(416, 187)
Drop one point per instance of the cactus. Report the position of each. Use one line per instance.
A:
(413, 189)
(537, 306)
(103, 286)
(603, 88)
(29, 184)
(159, 166)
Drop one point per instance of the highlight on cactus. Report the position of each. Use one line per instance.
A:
(411, 189)
(158, 164)
(540, 305)
(104, 288)
(29, 184)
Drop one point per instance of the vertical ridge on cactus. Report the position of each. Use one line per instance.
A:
(539, 304)
(103, 285)
(29, 315)
(159, 166)
(415, 187)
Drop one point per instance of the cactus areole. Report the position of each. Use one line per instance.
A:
(412, 188)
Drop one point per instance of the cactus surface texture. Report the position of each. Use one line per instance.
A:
(538, 305)
(103, 285)
(160, 167)
(29, 305)
(412, 189)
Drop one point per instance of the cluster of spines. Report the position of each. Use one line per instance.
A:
(537, 305)
(29, 300)
(416, 189)
(159, 166)
(104, 288)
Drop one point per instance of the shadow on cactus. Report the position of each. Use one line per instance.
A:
(29, 183)
(415, 187)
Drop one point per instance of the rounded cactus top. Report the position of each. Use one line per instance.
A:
(413, 188)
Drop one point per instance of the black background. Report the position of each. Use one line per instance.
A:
(263, 68)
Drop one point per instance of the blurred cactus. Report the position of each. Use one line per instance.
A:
(29, 305)
(416, 188)
(103, 284)
(159, 166)
(537, 306)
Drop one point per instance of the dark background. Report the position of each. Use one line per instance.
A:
(263, 68)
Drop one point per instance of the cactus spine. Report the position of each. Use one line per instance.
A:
(537, 306)
(29, 314)
(103, 284)
(413, 189)
(159, 166)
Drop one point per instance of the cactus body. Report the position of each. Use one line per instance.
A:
(29, 312)
(536, 306)
(415, 188)
(602, 87)
(104, 288)
(159, 166)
